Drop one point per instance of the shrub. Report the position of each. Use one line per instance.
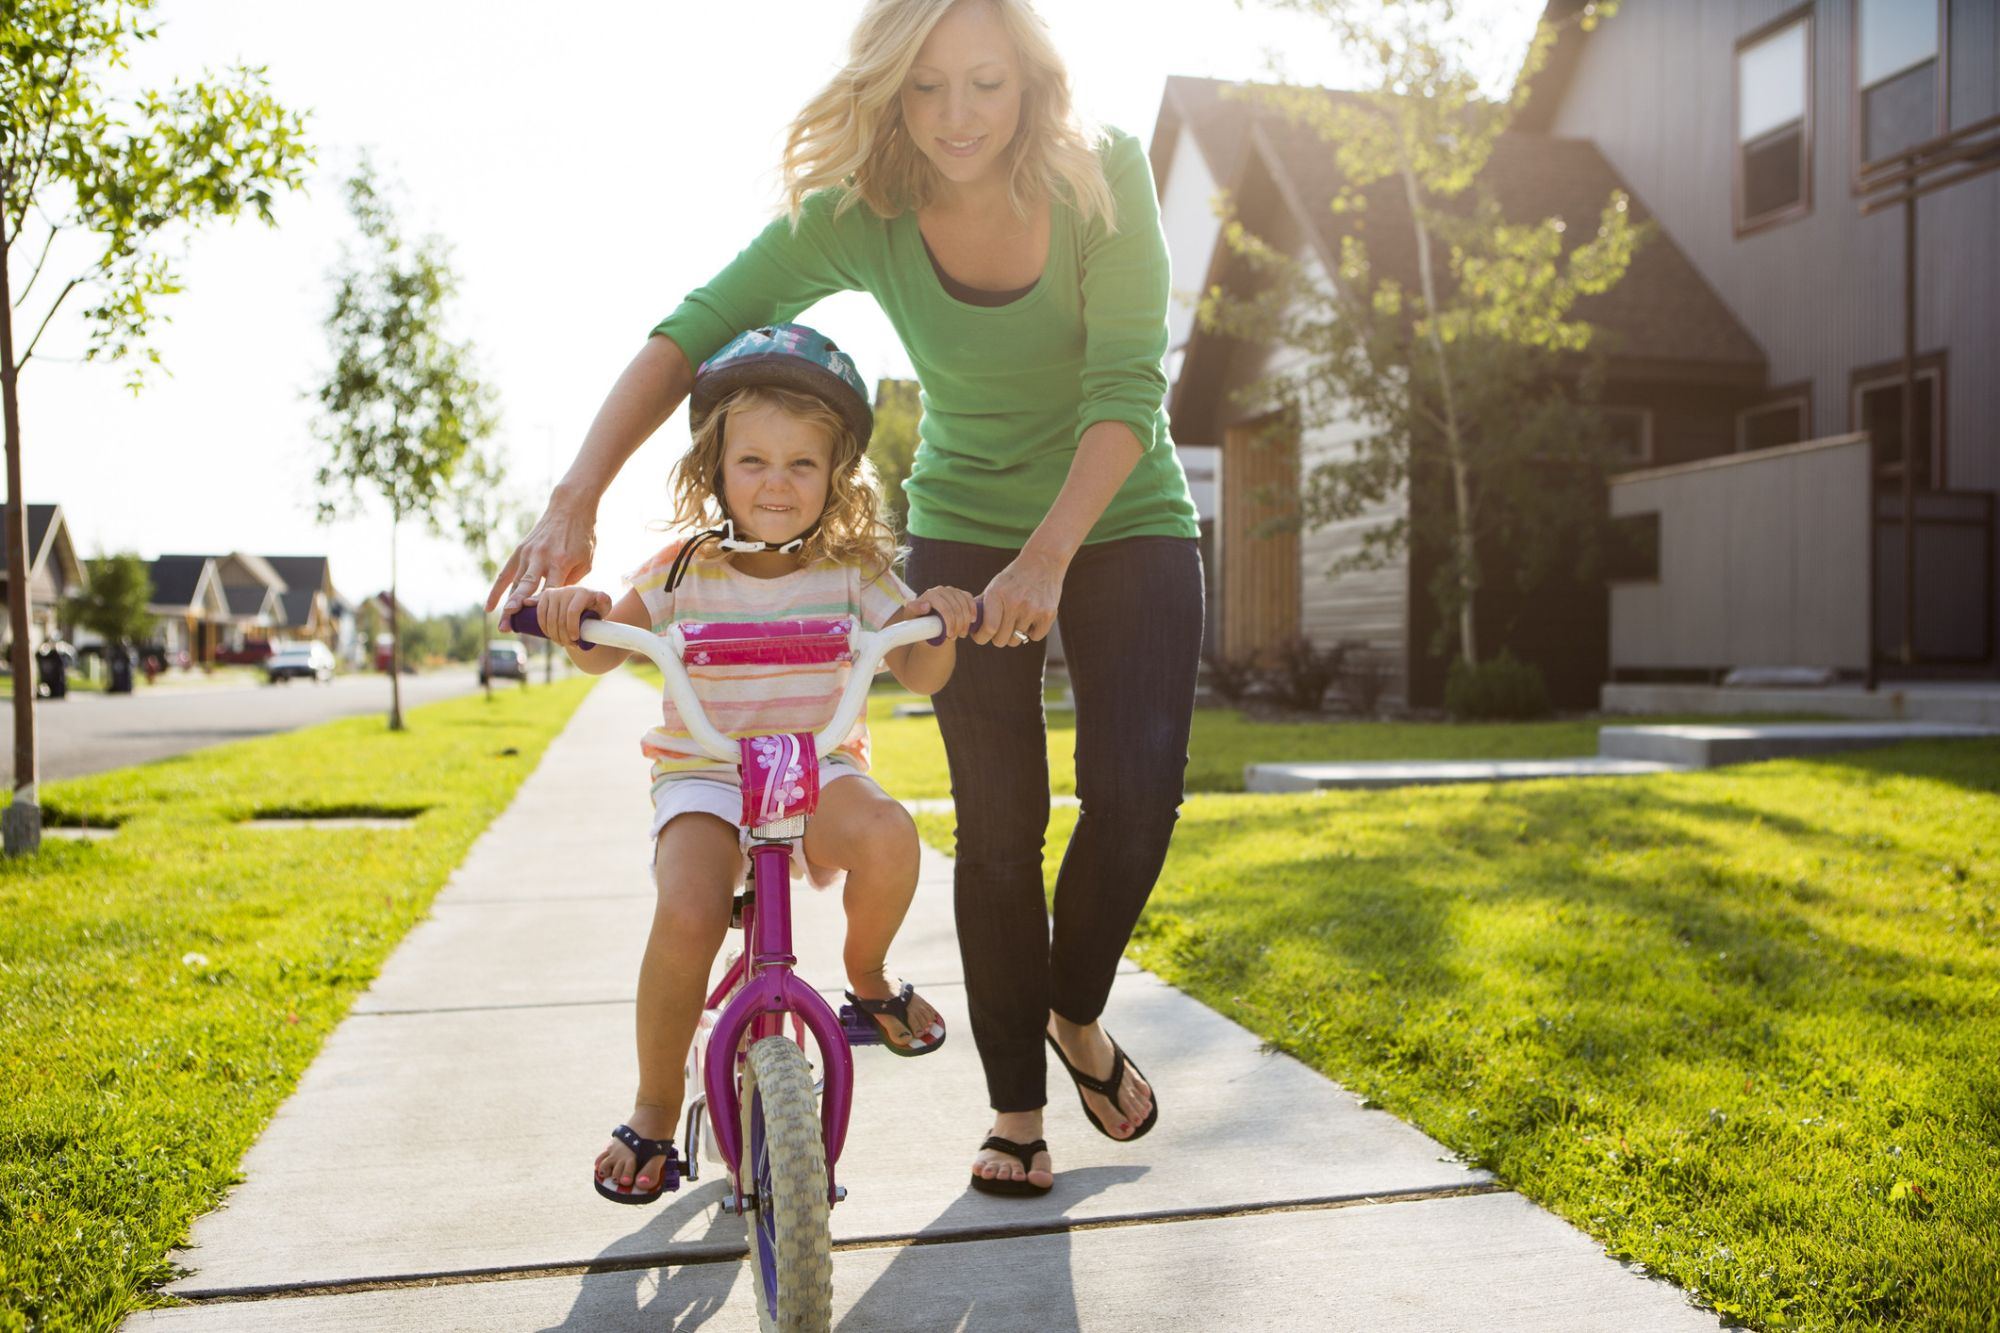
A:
(1365, 680)
(1304, 672)
(1502, 688)
(1232, 678)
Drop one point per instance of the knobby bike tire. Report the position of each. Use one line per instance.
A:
(784, 1165)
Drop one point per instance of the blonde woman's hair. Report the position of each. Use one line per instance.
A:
(851, 134)
(851, 529)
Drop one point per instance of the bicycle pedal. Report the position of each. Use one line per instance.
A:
(858, 1027)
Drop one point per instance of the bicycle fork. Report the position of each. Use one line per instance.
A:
(772, 991)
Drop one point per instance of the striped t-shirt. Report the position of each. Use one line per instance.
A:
(759, 700)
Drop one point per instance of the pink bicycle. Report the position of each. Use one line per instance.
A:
(756, 1086)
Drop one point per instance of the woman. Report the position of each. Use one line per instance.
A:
(1023, 267)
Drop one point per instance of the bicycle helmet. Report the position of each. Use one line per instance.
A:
(788, 356)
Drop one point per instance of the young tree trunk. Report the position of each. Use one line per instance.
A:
(1464, 559)
(22, 820)
(485, 643)
(395, 636)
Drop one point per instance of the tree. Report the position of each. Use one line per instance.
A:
(892, 447)
(112, 605)
(492, 521)
(1477, 384)
(402, 405)
(101, 184)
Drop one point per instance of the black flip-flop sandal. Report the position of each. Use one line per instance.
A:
(863, 1026)
(1024, 1153)
(1107, 1087)
(645, 1150)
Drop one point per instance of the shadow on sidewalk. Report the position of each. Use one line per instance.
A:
(682, 1296)
(1029, 1287)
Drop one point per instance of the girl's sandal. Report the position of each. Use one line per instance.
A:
(645, 1150)
(1024, 1153)
(1108, 1088)
(862, 1020)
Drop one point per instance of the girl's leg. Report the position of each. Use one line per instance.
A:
(857, 828)
(1131, 624)
(696, 863)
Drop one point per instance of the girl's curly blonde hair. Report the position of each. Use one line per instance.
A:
(851, 529)
(851, 133)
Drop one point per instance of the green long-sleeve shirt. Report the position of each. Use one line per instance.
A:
(1007, 390)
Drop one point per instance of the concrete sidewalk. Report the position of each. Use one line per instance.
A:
(432, 1170)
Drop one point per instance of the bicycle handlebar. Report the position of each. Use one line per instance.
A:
(666, 650)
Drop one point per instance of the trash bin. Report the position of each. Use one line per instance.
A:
(120, 660)
(52, 671)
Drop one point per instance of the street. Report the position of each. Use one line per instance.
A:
(88, 733)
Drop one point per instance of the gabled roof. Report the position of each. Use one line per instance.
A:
(1663, 311)
(311, 572)
(242, 569)
(297, 604)
(177, 579)
(46, 531)
(249, 600)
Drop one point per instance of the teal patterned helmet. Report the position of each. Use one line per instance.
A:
(786, 356)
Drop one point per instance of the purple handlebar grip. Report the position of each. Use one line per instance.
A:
(978, 615)
(525, 621)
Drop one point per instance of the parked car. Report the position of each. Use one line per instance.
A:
(504, 659)
(314, 660)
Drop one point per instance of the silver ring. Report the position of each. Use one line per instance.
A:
(1020, 636)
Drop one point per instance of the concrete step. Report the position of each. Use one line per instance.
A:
(1714, 746)
(1437, 773)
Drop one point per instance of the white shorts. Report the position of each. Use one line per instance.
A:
(722, 796)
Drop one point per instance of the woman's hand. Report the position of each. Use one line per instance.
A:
(1021, 600)
(560, 611)
(952, 605)
(556, 552)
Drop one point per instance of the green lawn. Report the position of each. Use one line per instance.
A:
(162, 990)
(1741, 1026)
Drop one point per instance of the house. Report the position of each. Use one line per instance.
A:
(311, 606)
(1755, 130)
(254, 593)
(1681, 366)
(54, 572)
(192, 608)
(1754, 366)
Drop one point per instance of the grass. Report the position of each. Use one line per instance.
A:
(162, 990)
(1740, 1026)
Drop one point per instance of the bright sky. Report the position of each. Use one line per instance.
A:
(588, 170)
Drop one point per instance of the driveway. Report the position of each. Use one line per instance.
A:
(88, 733)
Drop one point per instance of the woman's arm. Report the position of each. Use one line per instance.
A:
(558, 550)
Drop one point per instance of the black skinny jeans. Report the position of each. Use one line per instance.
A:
(1131, 617)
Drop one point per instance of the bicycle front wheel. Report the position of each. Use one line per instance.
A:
(784, 1168)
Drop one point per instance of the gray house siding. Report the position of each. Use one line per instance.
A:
(1822, 293)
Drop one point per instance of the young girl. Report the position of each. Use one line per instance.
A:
(778, 476)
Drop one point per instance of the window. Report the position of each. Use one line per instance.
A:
(1634, 554)
(1901, 96)
(1628, 433)
(1774, 123)
(1784, 418)
(1878, 409)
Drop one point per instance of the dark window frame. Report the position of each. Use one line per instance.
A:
(1647, 453)
(1790, 212)
(1857, 119)
(1928, 365)
(1781, 396)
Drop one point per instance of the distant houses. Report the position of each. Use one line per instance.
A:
(235, 607)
